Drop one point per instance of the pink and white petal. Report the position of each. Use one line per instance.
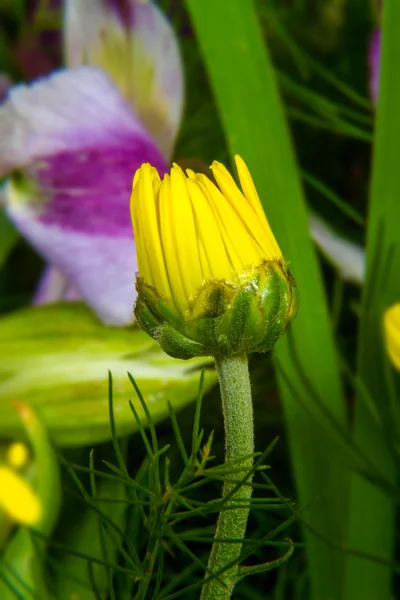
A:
(70, 195)
(52, 287)
(134, 42)
(102, 267)
(347, 257)
(71, 294)
(67, 111)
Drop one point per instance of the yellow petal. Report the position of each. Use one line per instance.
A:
(17, 455)
(18, 499)
(136, 177)
(143, 186)
(151, 252)
(257, 228)
(392, 333)
(240, 246)
(167, 232)
(214, 260)
(248, 187)
(136, 223)
(243, 209)
(156, 181)
(251, 195)
(185, 237)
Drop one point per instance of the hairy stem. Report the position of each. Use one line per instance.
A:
(233, 375)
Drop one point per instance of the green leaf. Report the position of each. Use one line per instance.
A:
(56, 358)
(372, 523)
(245, 90)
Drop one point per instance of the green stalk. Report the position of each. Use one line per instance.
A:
(237, 407)
(243, 80)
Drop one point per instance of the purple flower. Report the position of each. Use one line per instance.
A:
(71, 142)
(134, 43)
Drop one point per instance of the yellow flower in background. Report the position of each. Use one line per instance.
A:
(212, 279)
(17, 455)
(17, 498)
(392, 333)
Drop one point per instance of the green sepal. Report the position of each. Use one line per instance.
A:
(211, 333)
(178, 345)
(162, 310)
(212, 300)
(277, 303)
(246, 321)
(146, 318)
(224, 318)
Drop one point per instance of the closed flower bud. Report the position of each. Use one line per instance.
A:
(212, 279)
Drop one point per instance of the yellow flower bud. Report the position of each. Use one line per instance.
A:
(212, 279)
(392, 333)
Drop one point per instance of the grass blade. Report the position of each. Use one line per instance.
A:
(372, 523)
(244, 85)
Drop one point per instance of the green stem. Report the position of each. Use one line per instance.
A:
(234, 381)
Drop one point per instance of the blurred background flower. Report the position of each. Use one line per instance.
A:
(17, 498)
(392, 333)
(30, 495)
(347, 257)
(70, 143)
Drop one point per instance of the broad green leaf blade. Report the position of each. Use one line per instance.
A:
(56, 358)
(372, 523)
(245, 90)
